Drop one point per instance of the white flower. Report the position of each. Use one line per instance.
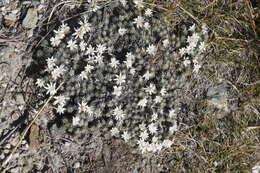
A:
(82, 45)
(60, 34)
(72, 45)
(154, 117)
(120, 79)
(86, 26)
(204, 28)
(132, 71)
(197, 66)
(139, 21)
(142, 126)
(151, 49)
(256, 169)
(114, 63)
(75, 121)
(79, 33)
(99, 58)
(126, 136)
(151, 89)
(147, 75)
(182, 51)
(167, 143)
(65, 28)
(174, 127)
(51, 63)
(117, 91)
(130, 56)
(51, 88)
(40, 83)
(60, 109)
(57, 72)
(88, 68)
(128, 63)
(60, 100)
(172, 114)
(83, 75)
(158, 99)
(144, 135)
(142, 103)
(90, 50)
(114, 131)
(82, 107)
(163, 91)
(139, 3)
(152, 128)
(148, 12)
(166, 43)
(192, 28)
(186, 62)
(202, 47)
(123, 2)
(192, 40)
(101, 48)
(143, 146)
(118, 113)
(55, 41)
(122, 31)
(147, 26)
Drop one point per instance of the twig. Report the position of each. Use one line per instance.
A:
(28, 127)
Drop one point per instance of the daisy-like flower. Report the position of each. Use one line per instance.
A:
(82, 107)
(60, 34)
(122, 31)
(123, 2)
(51, 88)
(182, 51)
(167, 143)
(90, 50)
(152, 128)
(129, 55)
(166, 43)
(151, 89)
(55, 41)
(151, 49)
(186, 62)
(173, 128)
(147, 75)
(197, 67)
(86, 26)
(144, 135)
(129, 63)
(65, 28)
(202, 47)
(142, 126)
(158, 99)
(117, 91)
(114, 63)
(154, 117)
(192, 28)
(148, 12)
(82, 45)
(114, 131)
(163, 91)
(147, 26)
(118, 113)
(57, 72)
(88, 68)
(99, 58)
(101, 48)
(139, 3)
(72, 45)
(172, 114)
(126, 136)
(143, 146)
(83, 75)
(142, 103)
(79, 33)
(60, 100)
(51, 63)
(120, 79)
(60, 109)
(40, 83)
(139, 21)
(75, 121)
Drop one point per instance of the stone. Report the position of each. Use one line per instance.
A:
(31, 18)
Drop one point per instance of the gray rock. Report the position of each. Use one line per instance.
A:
(31, 18)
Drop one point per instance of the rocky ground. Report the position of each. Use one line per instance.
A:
(221, 119)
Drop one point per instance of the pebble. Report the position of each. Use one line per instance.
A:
(31, 18)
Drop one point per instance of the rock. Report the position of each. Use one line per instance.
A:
(31, 18)
(218, 96)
